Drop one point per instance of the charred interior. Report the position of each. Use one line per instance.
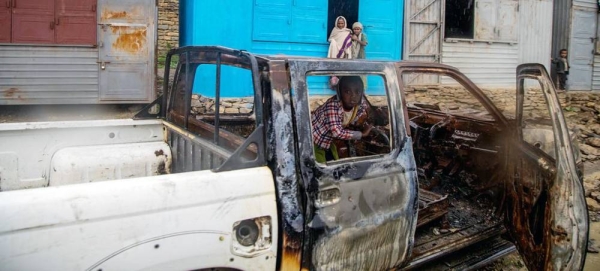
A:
(460, 152)
(458, 162)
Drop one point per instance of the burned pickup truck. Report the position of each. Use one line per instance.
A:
(445, 180)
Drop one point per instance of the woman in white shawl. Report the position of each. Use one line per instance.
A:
(340, 41)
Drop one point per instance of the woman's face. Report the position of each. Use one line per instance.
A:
(340, 23)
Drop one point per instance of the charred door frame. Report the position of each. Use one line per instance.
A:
(565, 227)
(317, 180)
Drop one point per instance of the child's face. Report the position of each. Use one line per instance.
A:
(351, 95)
(563, 54)
(357, 30)
(340, 23)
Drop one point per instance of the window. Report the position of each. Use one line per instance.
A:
(369, 111)
(48, 22)
(483, 20)
(220, 126)
(443, 93)
(290, 20)
(536, 121)
(459, 19)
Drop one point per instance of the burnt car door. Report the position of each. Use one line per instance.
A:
(361, 212)
(546, 209)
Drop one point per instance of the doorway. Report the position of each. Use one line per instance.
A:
(346, 8)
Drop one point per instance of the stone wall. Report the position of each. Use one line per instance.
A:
(168, 25)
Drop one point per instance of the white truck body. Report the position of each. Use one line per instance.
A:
(184, 220)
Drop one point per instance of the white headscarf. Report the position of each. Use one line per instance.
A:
(339, 40)
(355, 44)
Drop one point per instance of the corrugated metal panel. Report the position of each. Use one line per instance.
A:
(560, 29)
(192, 154)
(48, 75)
(596, 74)
(488, 65)
(535, 32)
(585, 3)
(581, 47)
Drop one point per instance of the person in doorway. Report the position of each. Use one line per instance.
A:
(340, 44)
(562, 69)
(359, 41)
(340, 40)
(331, 120)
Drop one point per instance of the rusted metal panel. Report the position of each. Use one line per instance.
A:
(5, 20)
(33, 21)
(424, 28)
(487, 65)
(535, 32)
(76, 22)
(48, 75)
(127, 33)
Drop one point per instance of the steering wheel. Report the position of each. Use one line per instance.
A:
(379, 134)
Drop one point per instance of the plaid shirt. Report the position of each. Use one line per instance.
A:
(327, 122)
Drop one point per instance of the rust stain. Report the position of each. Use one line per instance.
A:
(133, 42)
(116, 29)
(159, 153)
(10, 92)
(291, 253)
(109, 14)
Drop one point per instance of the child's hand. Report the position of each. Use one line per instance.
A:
(354, 37)
(366, 130)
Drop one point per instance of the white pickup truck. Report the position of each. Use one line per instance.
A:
(193, 184)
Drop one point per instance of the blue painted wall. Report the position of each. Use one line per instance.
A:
(291, 27)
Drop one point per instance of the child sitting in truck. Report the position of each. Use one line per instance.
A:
(331, 120)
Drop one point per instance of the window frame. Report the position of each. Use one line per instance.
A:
(387, 98)
(495, 33)
(219, 56)
(299, 69)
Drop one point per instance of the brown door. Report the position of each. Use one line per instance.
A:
(76, 22)
(5, 18)
(33, 21)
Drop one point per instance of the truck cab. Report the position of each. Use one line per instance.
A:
(445, 181)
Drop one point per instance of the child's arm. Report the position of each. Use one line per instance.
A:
(338, 131)
(334, 122)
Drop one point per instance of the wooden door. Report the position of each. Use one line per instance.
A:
(33, 21)
(76, 22)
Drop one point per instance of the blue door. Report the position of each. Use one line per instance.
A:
(382, 22)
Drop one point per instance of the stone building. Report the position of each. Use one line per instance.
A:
(168, 25)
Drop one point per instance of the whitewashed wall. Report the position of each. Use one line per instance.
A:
(493, 64)
(535, 32)
(487, 65)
